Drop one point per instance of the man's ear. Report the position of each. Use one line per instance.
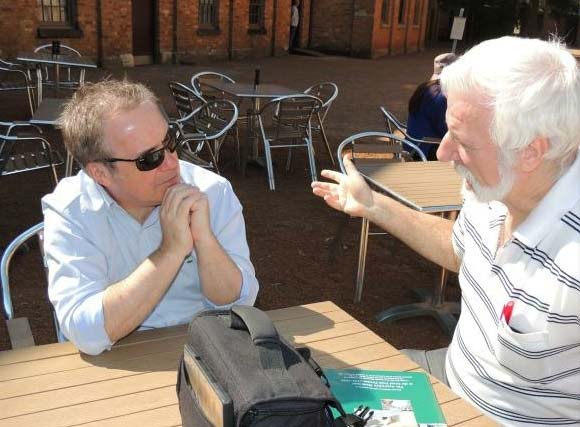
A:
(99, 172)
(532, 156)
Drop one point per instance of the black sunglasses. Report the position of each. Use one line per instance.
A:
(153, 159)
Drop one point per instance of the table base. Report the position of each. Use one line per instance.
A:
(444, 313)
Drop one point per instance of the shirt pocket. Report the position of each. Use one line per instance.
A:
(526, 355)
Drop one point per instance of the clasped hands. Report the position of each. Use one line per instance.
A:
(184, 216)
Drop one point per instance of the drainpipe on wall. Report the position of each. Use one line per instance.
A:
(407, 26)
(392, 15)
(274, 15)
(156, 33)
(352, 25)
(310, 24)
(231, 31)
(174, 34)
(99, 34)
(421, 9)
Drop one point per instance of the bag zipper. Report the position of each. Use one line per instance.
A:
(254, 413)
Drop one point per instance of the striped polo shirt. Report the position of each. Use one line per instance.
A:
(525, 372)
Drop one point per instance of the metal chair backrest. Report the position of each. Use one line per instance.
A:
(9, 252)
(185, 99)
(327, 93)
(376, 148)
(206, 127)
(215, 118)
(207, 92)
(70, 83)
(392, 123)
(290, 116)
(13, 78)
(47, 47)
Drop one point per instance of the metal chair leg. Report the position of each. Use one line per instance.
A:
(311, 159)
(269, 165)
(325, 139)
(362, 254)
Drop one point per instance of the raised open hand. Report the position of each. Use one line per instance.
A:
(350, 194)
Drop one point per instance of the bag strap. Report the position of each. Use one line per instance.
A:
(256, 322)
(267, 342)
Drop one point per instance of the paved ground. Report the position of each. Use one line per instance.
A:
(289, 230)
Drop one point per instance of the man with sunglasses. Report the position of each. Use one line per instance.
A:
(138, 238)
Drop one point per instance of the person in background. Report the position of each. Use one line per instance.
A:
(514, 137)
(427, 108)
(294, 21)
(138, 238)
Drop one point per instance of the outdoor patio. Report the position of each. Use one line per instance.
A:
(290, 231)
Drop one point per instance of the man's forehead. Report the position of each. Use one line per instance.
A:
(466, 108)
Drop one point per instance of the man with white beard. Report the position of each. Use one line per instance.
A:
(514, 134)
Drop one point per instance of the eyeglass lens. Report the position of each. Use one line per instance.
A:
(155, 158)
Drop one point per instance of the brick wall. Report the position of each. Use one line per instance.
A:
(331, 22)
(355, 27)
(20, 22)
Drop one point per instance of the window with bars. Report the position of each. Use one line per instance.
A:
(417, 12)
(256, 21)
(402, 7)
(385, 13)
(208, 14)
(54, 12)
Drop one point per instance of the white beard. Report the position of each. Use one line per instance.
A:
(484, 194)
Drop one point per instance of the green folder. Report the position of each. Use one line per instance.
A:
(398, 399)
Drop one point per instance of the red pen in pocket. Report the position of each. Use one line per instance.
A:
(506, 313)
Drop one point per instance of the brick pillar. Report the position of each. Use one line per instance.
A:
(362, 28)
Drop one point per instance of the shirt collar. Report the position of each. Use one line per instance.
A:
(94, 197)
(563, 195)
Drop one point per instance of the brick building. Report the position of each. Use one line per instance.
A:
(368, 28)
(144, 31)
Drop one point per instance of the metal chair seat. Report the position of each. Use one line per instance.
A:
(16, 155)
(29, 161)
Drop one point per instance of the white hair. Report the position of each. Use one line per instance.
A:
(532, 87)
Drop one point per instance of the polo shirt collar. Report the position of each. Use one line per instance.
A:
(94, 196)
(563, 195)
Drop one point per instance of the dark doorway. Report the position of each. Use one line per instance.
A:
(143, 31)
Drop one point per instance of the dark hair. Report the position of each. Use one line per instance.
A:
(417, 97)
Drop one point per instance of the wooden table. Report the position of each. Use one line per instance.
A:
(134, 383)
(432, 187)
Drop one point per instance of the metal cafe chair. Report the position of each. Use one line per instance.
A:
(327, 93)
(207, 92)
(284, 122)
(14, 158)
(373, 148)
(19, 327)
(397, 127)
(186, 100)
(13, 77)
(73, 79)
(206, 127)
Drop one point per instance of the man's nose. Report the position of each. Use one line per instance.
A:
(170, 160)
(447, 150)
